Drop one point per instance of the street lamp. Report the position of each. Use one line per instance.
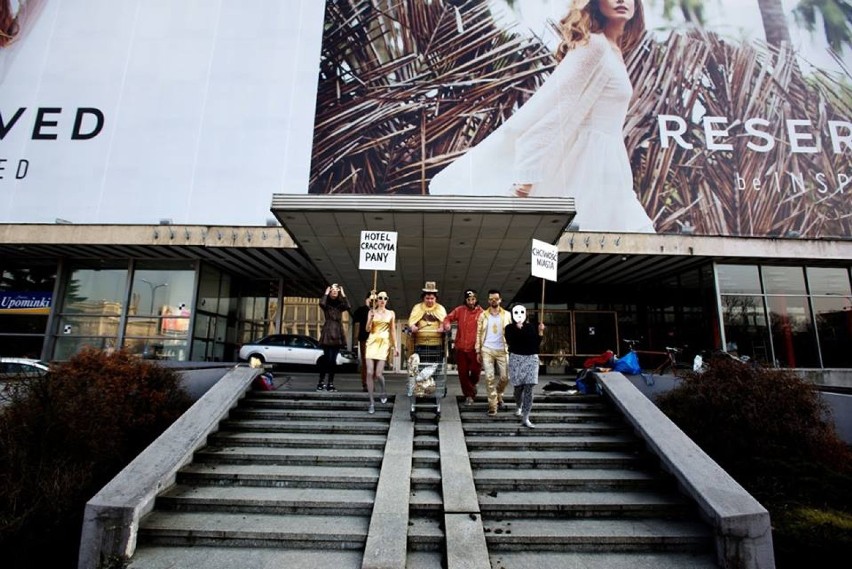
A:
(154, 288)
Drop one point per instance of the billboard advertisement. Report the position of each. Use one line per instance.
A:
(656, 117)
(137, 111)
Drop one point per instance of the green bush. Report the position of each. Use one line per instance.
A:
(772, 432)
(64, 436)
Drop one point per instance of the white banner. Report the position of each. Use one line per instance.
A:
(545, 260)
(134, 111)
(378, 251)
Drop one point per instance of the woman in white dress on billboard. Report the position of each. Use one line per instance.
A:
(566, 140)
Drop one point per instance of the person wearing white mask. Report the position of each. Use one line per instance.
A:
(523, 340)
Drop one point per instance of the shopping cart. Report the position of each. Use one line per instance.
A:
(427, 376)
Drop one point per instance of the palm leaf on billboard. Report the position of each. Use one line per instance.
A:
(406, 86)
(740, 191)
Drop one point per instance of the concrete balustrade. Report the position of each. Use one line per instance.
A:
(742, 525)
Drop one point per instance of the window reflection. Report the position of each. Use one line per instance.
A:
(746, 330)
(784, 280)
(793, 335)
(738, 279)
(159, 314)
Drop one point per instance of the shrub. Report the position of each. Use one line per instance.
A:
(64, 436)
(772, 432)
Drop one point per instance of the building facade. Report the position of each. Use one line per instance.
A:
(166, 189)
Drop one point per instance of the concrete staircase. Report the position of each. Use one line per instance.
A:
(288, 480)
(291, 479)
(577, 491)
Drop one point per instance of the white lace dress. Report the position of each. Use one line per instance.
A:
(566, 141)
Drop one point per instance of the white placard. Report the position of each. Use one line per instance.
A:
(377, 251)
(545, 260)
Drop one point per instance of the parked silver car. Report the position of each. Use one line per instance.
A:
(294, 350)
(20, 368)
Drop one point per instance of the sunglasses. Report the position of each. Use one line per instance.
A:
(381, 298)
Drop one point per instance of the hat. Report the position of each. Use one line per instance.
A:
(469, 293)
(431, 287)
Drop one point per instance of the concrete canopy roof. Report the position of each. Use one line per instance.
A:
(457, 241)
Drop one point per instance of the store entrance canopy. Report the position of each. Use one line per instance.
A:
(457, 241)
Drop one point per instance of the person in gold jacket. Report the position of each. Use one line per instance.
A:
(492, 350)
(426, 324)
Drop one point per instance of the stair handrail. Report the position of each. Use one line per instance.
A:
(741, 525)
(111, 518)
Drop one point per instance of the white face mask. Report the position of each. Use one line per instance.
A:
(519, 314)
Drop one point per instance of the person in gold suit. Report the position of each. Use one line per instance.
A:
(381, 324)
(426, 324)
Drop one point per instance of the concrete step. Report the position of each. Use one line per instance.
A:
(425, 478)
(330, 426)
(279, 476)
(340, 415)
(425, 534)
(599, 560)
(575, 402)
(514, 428)
(426, 502)
(559, 460)
(425, 442)
(597, 535)
(332, 402)
(552, 413)
(423, 458)
(425, 429)
(209, 557)
(291, 456)
(583, 504)
(309, 397)
(423, 560)
(532, 440)
(298, 440)
(267, 500)
(587, 479)
(254, 530)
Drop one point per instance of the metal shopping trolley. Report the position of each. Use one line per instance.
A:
(427, 376)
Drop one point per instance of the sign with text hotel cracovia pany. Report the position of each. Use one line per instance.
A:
(377, 251)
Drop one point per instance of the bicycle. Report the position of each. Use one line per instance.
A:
(669, 363)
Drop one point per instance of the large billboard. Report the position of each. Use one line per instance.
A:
(722, 117)
(137, 111)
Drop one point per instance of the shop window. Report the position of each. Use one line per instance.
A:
(784, 280)
(92, 304)
(738, 279)
(746, 328)
(159, 313)
(832, 303)
(793, 337)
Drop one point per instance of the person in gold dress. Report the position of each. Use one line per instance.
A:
(381, 323)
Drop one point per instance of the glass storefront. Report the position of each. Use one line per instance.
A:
(142, 307)
(781, 315)
(787, 316)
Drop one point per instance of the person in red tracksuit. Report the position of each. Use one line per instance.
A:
(465, 316)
